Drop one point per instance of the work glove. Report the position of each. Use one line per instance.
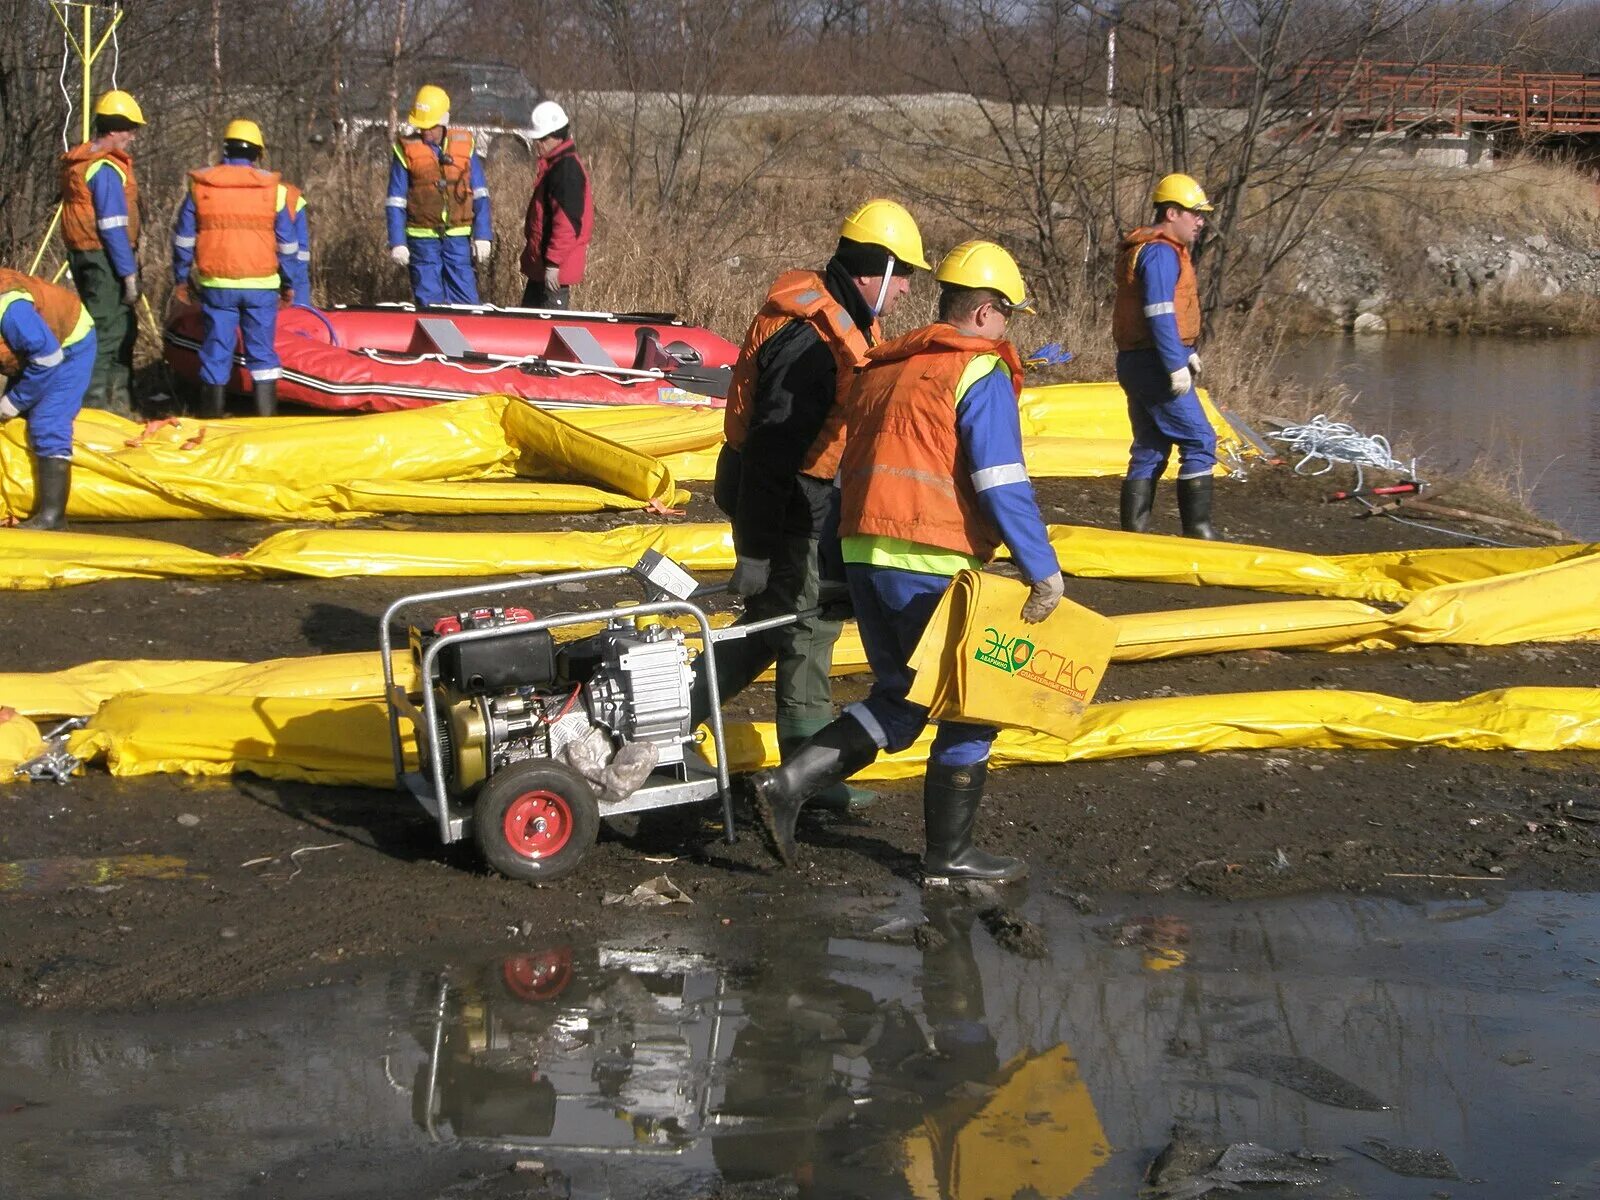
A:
(833, 598)
(1042, 598)
(1194, 363)
(750, 576)
(552, 278)
(130, 290)
(1181, 381)
(480, 249)
(401, 255)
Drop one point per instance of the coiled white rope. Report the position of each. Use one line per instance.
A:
(1336, 442)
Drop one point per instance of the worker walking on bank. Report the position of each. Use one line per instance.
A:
(299, 209)
(438, 204)
(100, 225)
(933, 483)
(234, 246)
(47, 356)
(784, 430)
(1156, 323)
(560, 216)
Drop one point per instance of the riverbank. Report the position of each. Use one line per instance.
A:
(163, 890)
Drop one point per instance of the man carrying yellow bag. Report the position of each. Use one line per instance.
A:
(932, 483)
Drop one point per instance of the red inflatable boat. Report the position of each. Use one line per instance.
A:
(395, 356)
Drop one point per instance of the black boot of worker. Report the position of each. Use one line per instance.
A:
(950, 800)
(213, 400)
(1138, 497)
(1194, 507)
(838, 751)
(266, 397)
(52, 480)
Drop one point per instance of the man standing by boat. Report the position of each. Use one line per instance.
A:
(438, 204)
(785, 432)
(560, 216)
(1155, 324)
(100, 225)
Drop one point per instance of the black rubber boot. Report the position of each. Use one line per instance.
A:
(213, 400)
(266, 397)
(950, 800)
(1194, 507)
(841, 797)
(838, 751)
(52, 480)
(1138, 497)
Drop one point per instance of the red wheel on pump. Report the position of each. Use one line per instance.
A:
(535, 820)
(542, 976)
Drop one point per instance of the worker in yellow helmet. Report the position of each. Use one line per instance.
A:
(100, 225)
(234, 246)
(785, 430)
(1155, 323)
(438, 204)
(933, 483)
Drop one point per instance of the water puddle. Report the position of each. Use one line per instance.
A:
(43, 876)
(1317, 1047)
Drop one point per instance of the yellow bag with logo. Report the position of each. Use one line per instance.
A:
(978, 661)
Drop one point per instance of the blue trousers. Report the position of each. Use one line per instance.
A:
(441, 270)
(52, 404)
(1161, 420)
(892, 609)
(224, 314)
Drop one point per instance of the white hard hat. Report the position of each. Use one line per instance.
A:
(548, 116)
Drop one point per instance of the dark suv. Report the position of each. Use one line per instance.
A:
(493, 100)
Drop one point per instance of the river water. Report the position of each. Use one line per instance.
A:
(1531, 407)
(1379, 1048)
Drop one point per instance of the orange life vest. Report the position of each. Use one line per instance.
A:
(235, 210)
(800, 296)
(59, 308)
(439, 197)
(78, 228)
(903, 474)
(1130, 328)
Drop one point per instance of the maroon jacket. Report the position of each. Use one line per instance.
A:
(560, 217)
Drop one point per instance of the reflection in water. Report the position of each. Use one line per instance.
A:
(932, 1065)
(1528, 407)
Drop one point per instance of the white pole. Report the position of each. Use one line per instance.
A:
(1111, 64)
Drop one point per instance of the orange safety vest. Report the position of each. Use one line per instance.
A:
(439, 197)
(1130, 328)
(800, 296)
(59, 308)
(78, 228)
(235, 211)
(903, 474)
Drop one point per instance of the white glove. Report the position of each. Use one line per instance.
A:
(1181, 381)
(401, 255)
(1194, 362)
(1042, 599)
(750, 576)
(480, 249)
(552, 278)
(130, 290)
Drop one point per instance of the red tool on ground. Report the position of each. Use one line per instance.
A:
(1409, 487)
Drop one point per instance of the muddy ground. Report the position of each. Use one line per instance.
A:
(283, 884)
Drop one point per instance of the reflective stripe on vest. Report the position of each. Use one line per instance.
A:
(58, 307)
(439, 192)
(1130, 316)
(903, 474)
(800, 296)
(236, 244)
(80, 227)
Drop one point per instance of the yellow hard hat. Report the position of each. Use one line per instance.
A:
(985, 265)
(887, 224)
(1183, 190)
(1163, 958)
(241, 130)
(430, 108)
(119, 104)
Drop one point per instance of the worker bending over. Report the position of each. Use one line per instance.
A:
(1155, 324)
(47, 355)
(438, 204)
(234, 246)
(933, 483)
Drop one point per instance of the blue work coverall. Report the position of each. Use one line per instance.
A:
(49, 390)
(441, 264)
